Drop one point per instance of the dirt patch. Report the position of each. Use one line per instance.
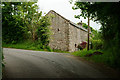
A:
(95, 53)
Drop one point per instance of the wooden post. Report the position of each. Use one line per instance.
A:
(88, 33)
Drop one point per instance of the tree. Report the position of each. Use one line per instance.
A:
(84, 13)
(23, 21)
(30, 16)
(107, 14)
(11, 30)
(86, 27)
(43, 32)
(36, 24)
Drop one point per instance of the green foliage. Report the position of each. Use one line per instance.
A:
(83, 52)
(108, 18)
(96, 40)
(12, 32)
(84, 6)
(30, 16)
(22, 21)
(49, 49)
(107, 58)
(86, 26)
(43, 32)
(9, 27)
(97, 44)
(28, 45)
(107, 14)
(59, 51)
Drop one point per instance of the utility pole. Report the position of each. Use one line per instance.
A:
(88, 33)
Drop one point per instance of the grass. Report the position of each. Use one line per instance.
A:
(82, 53)
(107, 58)
(29, 45)
(23, 45)
(56, 50)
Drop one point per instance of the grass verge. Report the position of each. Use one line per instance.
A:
(107, 58)
(29, 45)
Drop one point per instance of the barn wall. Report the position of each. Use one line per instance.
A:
(65, 37)
(59, 29)
(76, 36)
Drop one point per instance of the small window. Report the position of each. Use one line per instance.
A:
(75, 45)
(58, 29)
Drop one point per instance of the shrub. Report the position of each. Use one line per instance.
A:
(48, 48)
(82, 45)
(97, 44)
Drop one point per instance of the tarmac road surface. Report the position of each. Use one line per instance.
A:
(40, 64)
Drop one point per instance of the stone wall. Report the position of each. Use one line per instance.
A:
(76, 36)
(59, 36)
(65, 36)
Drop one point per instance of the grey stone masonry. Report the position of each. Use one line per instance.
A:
(66, 35)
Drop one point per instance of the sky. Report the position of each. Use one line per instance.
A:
(64, 8)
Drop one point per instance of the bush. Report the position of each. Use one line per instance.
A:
(48, 48)
(97, 44)
(82, 45)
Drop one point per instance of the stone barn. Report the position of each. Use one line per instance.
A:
(66, 35)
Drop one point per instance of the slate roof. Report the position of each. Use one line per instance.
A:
(72, 23)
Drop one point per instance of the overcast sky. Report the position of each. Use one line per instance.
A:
(64, 8)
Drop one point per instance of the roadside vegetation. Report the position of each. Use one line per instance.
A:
(106, 58)
(24, 27)
(28, 45)
(107, 39)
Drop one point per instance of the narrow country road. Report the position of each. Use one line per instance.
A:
(40, 64)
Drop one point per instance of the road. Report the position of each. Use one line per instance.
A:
(40, 64)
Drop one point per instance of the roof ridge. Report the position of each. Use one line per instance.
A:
(58, 14)
(76, 25)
